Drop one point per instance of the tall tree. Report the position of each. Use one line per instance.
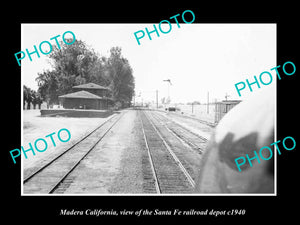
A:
(48, 86)
(26, 96)
(36, 99)
(72, 65)
(78, 64)
(122, 80)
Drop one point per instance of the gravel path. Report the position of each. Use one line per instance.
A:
(114, 166)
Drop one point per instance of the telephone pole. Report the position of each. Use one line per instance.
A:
(208, 102)
(157, 99)
(169, 83)
(226, 96)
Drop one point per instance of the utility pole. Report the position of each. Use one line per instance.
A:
(192, 107)
(169, 83)
(208, 102)
(157, 99)
(226, 96)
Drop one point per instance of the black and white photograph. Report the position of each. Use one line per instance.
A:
(170, 114)
(160, 117)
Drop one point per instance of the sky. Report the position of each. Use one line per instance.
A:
(197, 58)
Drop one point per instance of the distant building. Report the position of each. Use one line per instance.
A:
(221, 108)
(87, 96)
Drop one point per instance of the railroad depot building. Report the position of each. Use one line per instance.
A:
(87, 96)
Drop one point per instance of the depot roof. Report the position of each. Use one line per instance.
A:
(91, 86)
(80, 94)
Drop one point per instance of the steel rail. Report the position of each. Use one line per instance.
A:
(67, 150)
(183, 140)
(78, 162)
(157, 188)
(178, 162)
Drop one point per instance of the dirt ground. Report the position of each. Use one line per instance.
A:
(191, 124)
(113, 167)
(35, 126)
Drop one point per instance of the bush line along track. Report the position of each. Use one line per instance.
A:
(49, 177)
(169, 173)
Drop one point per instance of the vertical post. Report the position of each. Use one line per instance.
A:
(216, 110)
(208, 102)
(192, 107)
(226, 96)
(157, 99)
(168, 91)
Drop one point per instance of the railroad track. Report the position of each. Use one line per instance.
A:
(55, 176)
(168, 172)
(187, 137)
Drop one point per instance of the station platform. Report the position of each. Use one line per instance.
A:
(75, 113)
